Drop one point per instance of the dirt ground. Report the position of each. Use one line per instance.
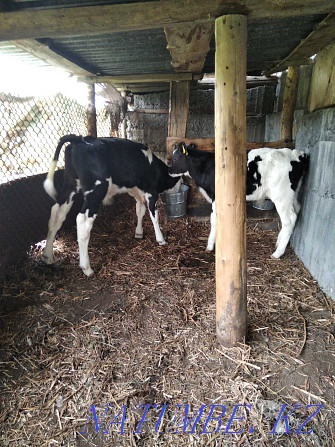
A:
(142, 332)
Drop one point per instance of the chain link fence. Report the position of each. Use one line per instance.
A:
(30, 128)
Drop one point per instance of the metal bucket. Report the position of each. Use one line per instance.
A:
(175, 203)
(267, 205)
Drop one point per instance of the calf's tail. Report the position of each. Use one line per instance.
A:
(48, 184)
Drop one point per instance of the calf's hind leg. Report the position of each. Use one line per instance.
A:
(57, 217)
(85, 220)
(211, 238)
(288, 217)
(153, 211)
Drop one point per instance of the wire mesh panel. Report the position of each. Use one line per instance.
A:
(103, 123)
(30, 129)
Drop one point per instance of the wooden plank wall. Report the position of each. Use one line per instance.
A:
(322, 92)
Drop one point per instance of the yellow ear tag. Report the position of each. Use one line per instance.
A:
(185, 151)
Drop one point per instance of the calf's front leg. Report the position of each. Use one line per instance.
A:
(140, 212)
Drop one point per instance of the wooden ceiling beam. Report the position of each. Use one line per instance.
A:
(143, 88)
(90, 20)
(44, 53)
(320, 37)
(140, 79)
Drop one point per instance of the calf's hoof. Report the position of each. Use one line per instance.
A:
(138, 235)
(209, 249)
(88, 271)
(161, 242)
(47, 259)
(276, 255)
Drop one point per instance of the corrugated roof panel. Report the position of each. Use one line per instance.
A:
(129, 52)
(142, 52)
(7, 48)
(270, 41)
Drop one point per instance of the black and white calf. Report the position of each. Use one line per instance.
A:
(101, 168)
(271, 173)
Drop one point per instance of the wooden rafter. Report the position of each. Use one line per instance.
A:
(44, 53)
(140, 79)
(139, 16)
(320, 37)
(150, 87)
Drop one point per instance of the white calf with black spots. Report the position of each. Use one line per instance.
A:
(276, 174)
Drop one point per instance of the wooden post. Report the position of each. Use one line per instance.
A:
(178, 109)
(230, 178)
(124, 115)
(289, 101)
(91, 111)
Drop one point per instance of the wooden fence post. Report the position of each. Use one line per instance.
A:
(230, 178)
(123, 116)
(289, 101)
(178, 109)
(91, 111)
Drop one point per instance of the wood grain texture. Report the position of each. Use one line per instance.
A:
(289, 101)
(103, 19)
(179, 107)
(230, 179)
(322, 91)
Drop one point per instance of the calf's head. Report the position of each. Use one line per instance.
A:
(179, 160)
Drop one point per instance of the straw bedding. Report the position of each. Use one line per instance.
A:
(142, 331)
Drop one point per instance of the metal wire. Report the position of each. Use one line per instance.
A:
(31, 127)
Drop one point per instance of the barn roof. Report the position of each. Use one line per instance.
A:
(151, 42)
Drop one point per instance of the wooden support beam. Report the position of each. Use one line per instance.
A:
(144, 88)
(289, 101)
(230, 178)
(123, 114)
(189, 45)
(320, 37)
(141, 79)
(208, 144)
(91, 111)
(102, 19)
(151, 111)
(44, 53)
(178, 110)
